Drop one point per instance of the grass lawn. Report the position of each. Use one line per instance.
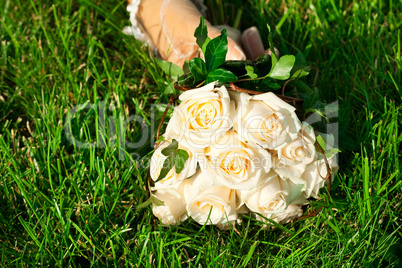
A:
(65, 205)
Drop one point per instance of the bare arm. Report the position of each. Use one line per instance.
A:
(171, 25)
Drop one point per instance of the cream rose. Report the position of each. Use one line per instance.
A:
(315, 174)
(203, 113)
(174, 208)
(265, 120)
(293, 211)
(291, 158)
(273, 197)
(172, 179)
(232, 163)
(208, 203)
(215, 205)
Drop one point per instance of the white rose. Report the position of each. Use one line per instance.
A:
(208, 203)
(174, 208)
(172, 179)
(232, 163)
(265, 120)
(203, 113)
(293, 211)
(215, 205)
(273, 197)
(293, 157)
(315, 174)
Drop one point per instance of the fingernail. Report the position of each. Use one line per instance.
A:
(252, 43)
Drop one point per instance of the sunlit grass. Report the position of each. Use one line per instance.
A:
(63, 205)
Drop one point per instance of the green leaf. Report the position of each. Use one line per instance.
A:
(271, 47)
(169, 68)
(167, 166)
(204, 46)
(274, 86)
(263, 65)
(215, 52)
(221, 75)
(283, 67)
(150, 201)
(268, 82)
(321, 142)
(171, 148)
(160, 110)
(186, 67)
(332, 152)
(180, 160)
(302, 88)
(301, 72)
(250, 72)
(300, 67)
(186, 80)
(198, 69)
(161, 138)
(317, 111)
(169, 89)
(201, 34)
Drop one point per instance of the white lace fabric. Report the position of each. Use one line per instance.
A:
(134, 29)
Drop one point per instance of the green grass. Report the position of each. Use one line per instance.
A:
(61, 205)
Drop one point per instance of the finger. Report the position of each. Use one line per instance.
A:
(252, 43)
(268, 51)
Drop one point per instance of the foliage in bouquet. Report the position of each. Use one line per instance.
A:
(229, 151)
(266, 73)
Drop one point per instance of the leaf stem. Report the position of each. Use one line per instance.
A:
(171, 100)
(251, 79)
(284, 86)
(203, 82)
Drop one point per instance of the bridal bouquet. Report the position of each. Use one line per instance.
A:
(228, 152)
